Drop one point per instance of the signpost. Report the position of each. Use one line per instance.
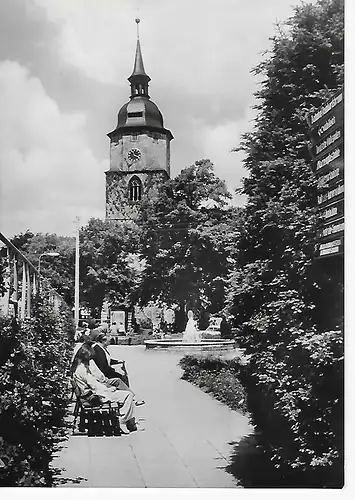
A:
(327, 135)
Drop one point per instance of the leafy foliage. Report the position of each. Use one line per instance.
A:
(59, 270)
(218, 377)
(34, 357)
(185, 234)
(287, 306)
(107, 266)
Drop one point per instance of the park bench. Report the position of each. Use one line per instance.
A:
(100, 420)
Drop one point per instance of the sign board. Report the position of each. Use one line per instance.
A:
(120, 318)
(327, 135)
(334, 246)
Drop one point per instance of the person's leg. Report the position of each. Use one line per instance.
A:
(123, 377)
(125, 398)
(119, 384)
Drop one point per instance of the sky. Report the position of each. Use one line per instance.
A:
(64, 66)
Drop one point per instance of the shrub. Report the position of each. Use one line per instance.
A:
(144, 323)
(287, 305)
(295, 395)
(33, 394)
(218, 377)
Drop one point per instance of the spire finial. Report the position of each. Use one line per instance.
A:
(137, 21)
(139, 79)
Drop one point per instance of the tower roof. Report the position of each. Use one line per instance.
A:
(138, 73)
(138, 69)
(139, 112)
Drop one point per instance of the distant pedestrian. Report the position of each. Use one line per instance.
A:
(114, 328)
(225, 329)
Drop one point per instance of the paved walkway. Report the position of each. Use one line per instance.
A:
(185, 441)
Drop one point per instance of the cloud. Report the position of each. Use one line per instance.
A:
(199, 54)
(54, 120)
(49, 174)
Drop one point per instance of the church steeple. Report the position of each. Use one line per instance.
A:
(139, 79)
(139, 149)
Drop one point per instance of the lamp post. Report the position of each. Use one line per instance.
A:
(77, 277)
(49, 254)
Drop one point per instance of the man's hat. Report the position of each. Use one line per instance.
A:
(94, 334)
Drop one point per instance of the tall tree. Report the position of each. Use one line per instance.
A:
(306, 63)
(185, 233)
(287, 306)
(106, 267)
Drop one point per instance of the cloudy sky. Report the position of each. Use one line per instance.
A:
(64, 66)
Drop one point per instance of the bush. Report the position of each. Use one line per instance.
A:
(34, 359)
(287, 305)
(144, 323)
(296, 399)
(217, 377)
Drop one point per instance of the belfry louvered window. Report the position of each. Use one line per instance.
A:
(135, 189)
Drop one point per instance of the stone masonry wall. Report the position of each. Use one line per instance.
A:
(118, 205)
(154, 146)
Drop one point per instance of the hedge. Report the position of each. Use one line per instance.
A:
(218, 377)
(295, 394)
(34, 358)
(295, 399)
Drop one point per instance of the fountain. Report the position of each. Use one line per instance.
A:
(191, 339)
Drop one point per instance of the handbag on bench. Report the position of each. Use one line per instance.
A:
(91, 400)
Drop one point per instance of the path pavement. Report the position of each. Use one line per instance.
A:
(186, 439)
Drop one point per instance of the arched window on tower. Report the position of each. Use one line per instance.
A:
(135, 189)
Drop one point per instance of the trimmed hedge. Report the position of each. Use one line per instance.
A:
(34, 359)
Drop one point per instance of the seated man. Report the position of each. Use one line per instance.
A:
(103, 359)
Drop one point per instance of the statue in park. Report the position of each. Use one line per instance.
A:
(191, 334)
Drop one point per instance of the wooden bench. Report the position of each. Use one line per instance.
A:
(102, 420)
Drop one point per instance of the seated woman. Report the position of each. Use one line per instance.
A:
(88, 384)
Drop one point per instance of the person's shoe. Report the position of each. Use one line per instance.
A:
(123, 429)
(139, 403)
(131, 425)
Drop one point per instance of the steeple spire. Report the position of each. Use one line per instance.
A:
(139, 79)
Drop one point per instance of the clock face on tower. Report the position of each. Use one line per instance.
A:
(134, 155)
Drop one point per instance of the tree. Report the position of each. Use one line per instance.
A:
(276, 244)
(59, 270)
(106, 268)
(185, 234)
(287, 306)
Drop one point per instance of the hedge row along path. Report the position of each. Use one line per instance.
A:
(187, 441)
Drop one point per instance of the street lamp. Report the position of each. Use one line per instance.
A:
(49, 254)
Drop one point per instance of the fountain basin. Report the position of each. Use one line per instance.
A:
(204, 345)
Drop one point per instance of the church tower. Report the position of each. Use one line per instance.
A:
(139, 149)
